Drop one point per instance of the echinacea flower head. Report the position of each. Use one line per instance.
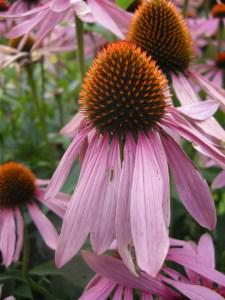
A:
(4, 5)
(218, 10)
(160, 30)
(20, 189)
(121, 135)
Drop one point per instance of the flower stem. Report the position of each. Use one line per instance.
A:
(185, 7)
(41, 290)
(80, 44)
(26, 251)
(206, 7)
(36, 103)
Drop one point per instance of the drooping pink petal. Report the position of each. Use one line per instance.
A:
(211, 89)
(200, 111)
(145, 296)
(219, 181)
(123, 226)
(191, 134)
(100, 291)
(114, 269)
(7, 236)
(128, 294)
(103, 230)
(150, 236)
(71, 128)
(191, 261)
(118, 293)
(192, 188)
(213, 128)
(44, 226)
(205, 250)
(110, 16)
(19, 233)
(83, 207)
(64, 167)
(194, 292)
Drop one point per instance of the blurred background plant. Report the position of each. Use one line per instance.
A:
(39, 92)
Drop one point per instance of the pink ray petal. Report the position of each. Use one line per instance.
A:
(64, 167)
(20, 232)
(194, 292)
(110, 16)
(118, 293)
(192, 188)
(83, 207)
(219, 181)
(128, 294)
(60, 5)
(200, 111)
(123, 226)
(44, 226)
(7, 236)
(103, 230)
(101, 291)
(150, 236)
(211, 89)
(206, 250)
(72, 127)
(145, 296)
(114, 269)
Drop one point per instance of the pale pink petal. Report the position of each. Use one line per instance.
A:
(150, 236)
(103, 230)
(72, 127)
(205, 250)
(123, 226)
(110, 16)
(64, 167)
(145, 296)
(192, 188)
(191, 134)
(60, 5)
(211, 89)
(7, 236)
(213, 128)
(219, 181)
(191, 261)
(200, 111)
(100, 291)
(194, 292)
(114, 269)
(83, 207)
(118, 293)
(44, 226)
(20, 232)
(128, 294)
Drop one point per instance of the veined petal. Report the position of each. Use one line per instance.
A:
(114, 269)
(60, 5)
(219, 181)
(83, 207)
(145, 296)
(150, 236)
(194, 292)
(44, 226)
(110, 16)
(65, 165)
(100, 291)
(192, 188)
(103, 230)
(7, 236)
(123, 226)
(71, 128)
(128, 294)
(118, 293)
(20, 232)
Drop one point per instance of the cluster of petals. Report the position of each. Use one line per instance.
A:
(199, 281)
(49, 13)
(12, 223)
(132, 205)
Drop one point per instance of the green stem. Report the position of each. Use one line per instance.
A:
(26, 251)
(36, 103)
(185, 7)
(41, 290)
(206, 7)
(80, 45)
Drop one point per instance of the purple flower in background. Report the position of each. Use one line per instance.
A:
(18, 189)
(123, 135)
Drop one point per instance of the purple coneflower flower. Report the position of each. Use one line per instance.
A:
(18, 189)
(159, 29)
(197, 280)
(122, 132)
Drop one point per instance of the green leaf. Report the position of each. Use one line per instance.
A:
(124, 3)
